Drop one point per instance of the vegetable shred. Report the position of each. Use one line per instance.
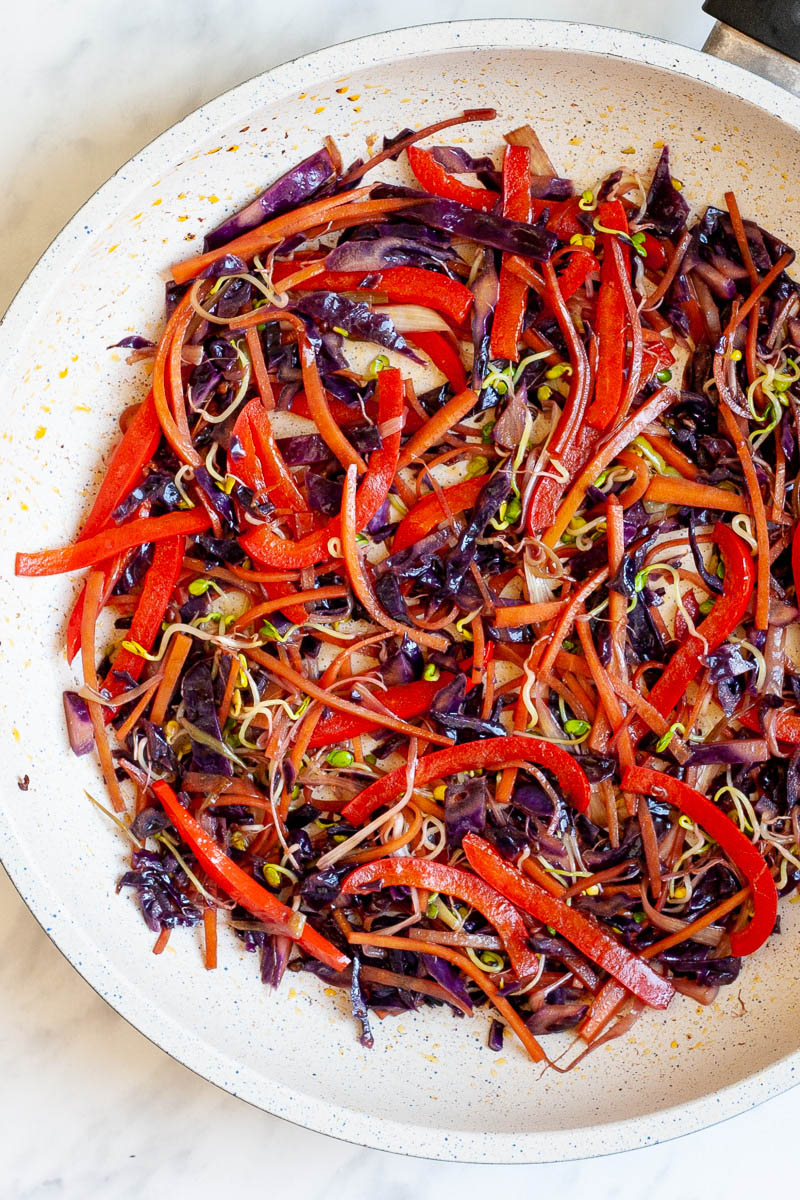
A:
(439, 636)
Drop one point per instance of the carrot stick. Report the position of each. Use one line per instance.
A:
(91, 607)
(161, 942)
(538, 874)
(137, 710)
(630, 428)
(605, 690)
(259, 367)
(396, 843)
(350, 205)
(757, 509)
(610, 997)
(210, 933)
(335, 592)
(639, 486)
(307, 687)
(437, 426)
(666, 489)
(227, 695)
(174, 433)
(463, 963)
(358, 578)
(511, 616)
(176, 657)
(672, 456)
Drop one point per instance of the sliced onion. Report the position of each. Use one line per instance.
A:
(412, 318)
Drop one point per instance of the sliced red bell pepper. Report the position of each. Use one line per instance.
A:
(281, 487)
(262, 468)
(138, 445)
(574, 440)
(582, 263)
(450, 881)
(112, 541)
(549, 488)
(443, 354)
(565, 217)
(513, 294)
(611, 317)
(273, 551)
(586, 934)
(428, 513)
(159, 584)
(728, 611)
(472, 756)
(658, 251)
(240, 886)
(741, 851)
(402, 285)
(346, 416)
(434, 179)
(406, 700)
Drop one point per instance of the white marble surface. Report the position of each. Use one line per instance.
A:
(88, 1107)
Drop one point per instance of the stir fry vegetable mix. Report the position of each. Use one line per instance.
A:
(453, 560)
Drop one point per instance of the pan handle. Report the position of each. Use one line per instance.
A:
(763, 36)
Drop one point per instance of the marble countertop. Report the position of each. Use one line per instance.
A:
(88, 1107)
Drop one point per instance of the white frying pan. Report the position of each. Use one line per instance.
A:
(430, 1086)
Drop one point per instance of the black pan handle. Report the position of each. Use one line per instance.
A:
(761, 35)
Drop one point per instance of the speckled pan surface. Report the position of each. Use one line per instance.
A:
(429, 1087)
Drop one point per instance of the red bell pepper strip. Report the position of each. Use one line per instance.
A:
(728, 611)
(112, 541)
(741, 851)
(574, 440)
(443, 354)
(513, 294)
(582, 263)
(402, 285)
(565, 217)
(244, 463)
(159, 584)
(281, 487)
(111, 573)
(656, 253)
(611, 322)
(406, 700)
(138, 445)
(473, 756)
(347, 416)
(438, 877)
(586, 934)
(428, 513)
(273, 551)
(240, 886)
(439, 182)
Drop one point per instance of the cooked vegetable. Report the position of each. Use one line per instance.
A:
(454, 558)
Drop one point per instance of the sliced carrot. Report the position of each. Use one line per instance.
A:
(437, 426)
(334, 592)
(666, 489)
(176, 657)
(210, 933)
(506, 1011)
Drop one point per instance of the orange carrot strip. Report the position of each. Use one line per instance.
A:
(346, 205)
(639, 486)
(173, 666)
(307, 687)
(538, 874)
(396, 843)
(259, 367)
(606, 691)
(161, 942)
(358, 577)
(137, 710)
(210, 933)
(227, 695)
(757, 509)
(175, 435)
(437, 426)
(624, 435)
(463, 963)
(512, 615)
(335, 592)
(672, 456)
(91, 607)
(666, 489)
